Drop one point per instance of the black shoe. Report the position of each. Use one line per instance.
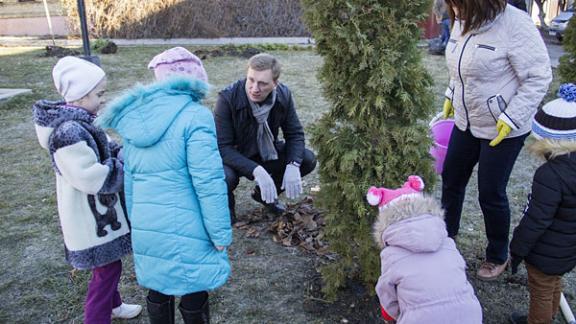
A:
(276, 208)
(518, 318)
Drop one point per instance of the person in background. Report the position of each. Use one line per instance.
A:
(249, 114)
(89, 184)
(443, 19)
(423, 276)
(499, 72)
(545, 239)
(520, 4)
(176, 194)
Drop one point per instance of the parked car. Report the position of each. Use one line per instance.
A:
(559, 23)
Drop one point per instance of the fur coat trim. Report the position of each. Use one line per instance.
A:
(414, 206)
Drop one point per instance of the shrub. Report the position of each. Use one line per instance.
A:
(567, 67)
(189, 18)
(374, 134)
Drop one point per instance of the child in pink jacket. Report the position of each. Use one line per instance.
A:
(423, 277)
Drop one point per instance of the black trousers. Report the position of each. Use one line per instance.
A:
(276, 169)
(193, 301)
(494, 167)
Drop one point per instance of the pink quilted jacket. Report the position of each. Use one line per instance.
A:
(423, 278)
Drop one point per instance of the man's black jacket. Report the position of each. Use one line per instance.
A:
(236, 127)
(546, 235)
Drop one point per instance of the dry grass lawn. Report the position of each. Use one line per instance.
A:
(269, 284)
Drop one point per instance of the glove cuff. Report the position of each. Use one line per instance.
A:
(504, 118)
(294, 163)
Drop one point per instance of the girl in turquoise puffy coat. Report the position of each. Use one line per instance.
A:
(175, 189)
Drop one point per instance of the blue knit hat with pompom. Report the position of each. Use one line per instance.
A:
(557, 119)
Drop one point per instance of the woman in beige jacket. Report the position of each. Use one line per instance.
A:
(499, 73)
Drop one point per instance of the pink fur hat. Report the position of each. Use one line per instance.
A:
(177, 61)
(383, 196)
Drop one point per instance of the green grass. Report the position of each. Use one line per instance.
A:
(268, 284)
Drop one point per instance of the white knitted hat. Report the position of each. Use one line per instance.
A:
(74, 77)
(557, 119)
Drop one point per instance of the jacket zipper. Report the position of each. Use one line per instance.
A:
(492, 48)
(462, 79)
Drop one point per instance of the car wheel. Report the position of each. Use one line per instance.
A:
(559, 37)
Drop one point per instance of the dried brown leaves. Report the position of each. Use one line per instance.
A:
(301, 226)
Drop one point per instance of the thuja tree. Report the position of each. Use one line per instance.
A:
(376, 132)
(567, 67)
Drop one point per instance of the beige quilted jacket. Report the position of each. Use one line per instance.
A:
(499, 71)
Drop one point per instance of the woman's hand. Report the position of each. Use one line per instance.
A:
(447, 109)
(503, 131)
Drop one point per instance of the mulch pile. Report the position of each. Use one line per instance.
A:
(110, 47)
(301, 226)
(244, 52)
(107, 47)
(57, 51)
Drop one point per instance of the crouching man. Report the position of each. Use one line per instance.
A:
(249, 114)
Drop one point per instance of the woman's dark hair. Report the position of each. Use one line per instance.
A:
(475, 13)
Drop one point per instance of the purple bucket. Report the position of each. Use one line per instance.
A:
(441, 130)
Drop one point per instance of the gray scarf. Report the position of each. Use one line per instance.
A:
(264, 136)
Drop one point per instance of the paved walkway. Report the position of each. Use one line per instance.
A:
(36, 41)
(555, 51)
(8, 93)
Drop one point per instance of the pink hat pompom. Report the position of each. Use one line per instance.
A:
(374, 195)
(416, 182)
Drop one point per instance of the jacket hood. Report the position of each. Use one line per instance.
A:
(144, 113)
(568, 171)
(49, 114)
(550, 148)
(416, 224)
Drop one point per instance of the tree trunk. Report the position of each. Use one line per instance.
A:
(541, 14)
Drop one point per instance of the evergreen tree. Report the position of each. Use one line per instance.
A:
(376, 132)
(567, 67)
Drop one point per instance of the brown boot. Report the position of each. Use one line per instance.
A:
(489, 271)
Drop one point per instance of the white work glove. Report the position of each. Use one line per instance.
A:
(266, 184)
(292, 181)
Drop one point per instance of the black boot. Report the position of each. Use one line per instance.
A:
(161, 313)
(199, 316)
(232, 207)
(276, 208)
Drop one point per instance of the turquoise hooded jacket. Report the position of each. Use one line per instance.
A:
(176, 194)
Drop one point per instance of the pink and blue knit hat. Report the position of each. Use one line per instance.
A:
(557, 119)
(177, 61)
